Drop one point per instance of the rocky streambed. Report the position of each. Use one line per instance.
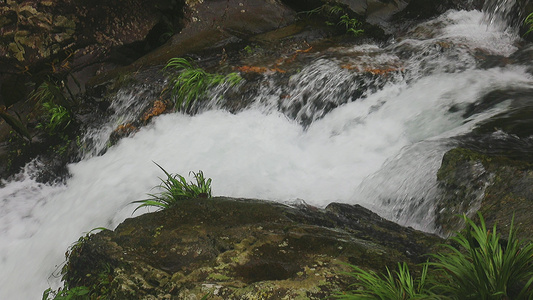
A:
(109, 68)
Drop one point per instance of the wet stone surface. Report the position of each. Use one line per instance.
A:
(244, 249)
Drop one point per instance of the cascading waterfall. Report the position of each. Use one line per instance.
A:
(377, 143)
(127, 105)
(505, 12)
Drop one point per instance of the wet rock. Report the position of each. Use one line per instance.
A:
(375, 11)
(515, 121)
(36, 30)
(73, 40)
(424, 9)
(241, 249)
(211, 24)
(494, 183)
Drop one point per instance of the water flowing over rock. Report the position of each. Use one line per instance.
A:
(424, 115)
(512, 12)
(242, 249)
(491, 171)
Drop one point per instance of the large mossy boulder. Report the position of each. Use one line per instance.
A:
(241, 249)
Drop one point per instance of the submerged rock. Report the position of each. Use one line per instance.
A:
(241, 249)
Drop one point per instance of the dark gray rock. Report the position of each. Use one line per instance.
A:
(493, 183)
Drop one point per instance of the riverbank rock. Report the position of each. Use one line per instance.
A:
(58, 37)
(491, 170)
(498, 186)
(241, 249)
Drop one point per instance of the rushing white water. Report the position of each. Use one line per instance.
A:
(129, 104)
(498, 11)
(381, 150)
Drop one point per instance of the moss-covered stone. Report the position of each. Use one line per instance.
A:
(244, 249)
(494, 184)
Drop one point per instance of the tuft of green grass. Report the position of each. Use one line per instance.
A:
(399, 285)
(55, 106)
(352, 25)
(47, 91)
(482, 266)
(337, 16)
(335, 10)
(58, 117)
(190, 82)
(486, 266)
(175, 188)
(529, 23)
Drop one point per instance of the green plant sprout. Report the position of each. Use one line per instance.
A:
(529, 23)
(398, 286)
(46, 92)
(311, 12)
(52, 91)
(352, 25)
(175, 188)
(191, 82)
(335, 10)
(331, 13)
(249, 49)
(58, 117)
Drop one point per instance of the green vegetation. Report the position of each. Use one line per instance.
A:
(191, 82)
(529, 23)
(399, 286)
(337, 16)
(206, 296)
(80, 292)
(487, 267)
(176, 188)
(101, 287)
(54, 104)
(57, 116)
(100, 290)
(484, 266)
(251, 49)
(335, 10)
(47, 91)
(352, 25)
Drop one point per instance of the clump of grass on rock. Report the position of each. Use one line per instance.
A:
(175, 188)
(477, 265)
(188, 82)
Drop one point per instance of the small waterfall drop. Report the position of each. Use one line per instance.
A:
(505, 12)
(126, 107)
